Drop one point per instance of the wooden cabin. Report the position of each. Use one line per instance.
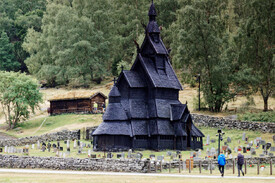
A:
(77, 103)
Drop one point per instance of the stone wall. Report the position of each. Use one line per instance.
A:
(219, 122)
(113, 165)
(62, 135)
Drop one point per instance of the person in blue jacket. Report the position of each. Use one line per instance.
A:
(221, 162)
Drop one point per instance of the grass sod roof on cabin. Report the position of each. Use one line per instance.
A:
(76, 95)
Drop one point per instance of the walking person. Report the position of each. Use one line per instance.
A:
(240, 162)
(221, 162)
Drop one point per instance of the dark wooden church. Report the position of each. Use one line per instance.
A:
(144, 111)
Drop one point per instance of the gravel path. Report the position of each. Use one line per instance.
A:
(126, 174)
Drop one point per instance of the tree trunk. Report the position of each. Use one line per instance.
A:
(265, 104)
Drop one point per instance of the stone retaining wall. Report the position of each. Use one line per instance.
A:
(113, 165)
(219, 122)
(62, 135)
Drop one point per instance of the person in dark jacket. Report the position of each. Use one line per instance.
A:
(240, 163)
(221, 162)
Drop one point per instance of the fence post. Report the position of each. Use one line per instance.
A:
(179, 167)
(233, 165)
(169, 167)
(149, 166)
(210, 166)
(200, 166)
(190, 165)
(245, 166)
(270, 166)
(258, 167)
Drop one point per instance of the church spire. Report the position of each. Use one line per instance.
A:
(152, 26)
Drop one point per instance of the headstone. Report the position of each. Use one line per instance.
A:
(78, 143)
(253, 152)
(43, 148)
(213, 141)
(274, 138)
(89, 146)
(270, 154)
(208, 140)
(272, 149)
(180, 156)
(89, 152)
(174, 155)
(246, 139)
(32, 146)
(228, 140)
(229, 150)
(225, 143)
(265, 152)
(169, 153)
(262, 155)
(54, 145)
(109, 155)
(68, 144)
(191, 154)
(61, 148)
(64, 155)
(55, 150)
(75, 144)
(243, 138)
(118, 156)
(79, 151)
(152, 156)
(68, 149)
(58, 144)
(178, 152)
(248, 148)
(60, 154)
(263, 146)
(250, 144)
(1, 150)
(129, 153)
(239, 141)
(183, 165)
(38, 144)
(65, 141)
(244, 149)
(160, 158)
(6, 149)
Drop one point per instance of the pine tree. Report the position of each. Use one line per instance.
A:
(7, 61)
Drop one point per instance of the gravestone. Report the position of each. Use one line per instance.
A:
(265, 152)
(109, 155)
(58, 144)
(169, 153)
(68, 144)
(1, 150)
(64, 155)
(129, 153)
(229, 150)
(253, 152)
(208, 140)
(213, 141)
(160, 158)
(248, 148)
(270, 154)
(32, 146)
(263, 146)
(178, 152)
(60, 154)
(180, 156)
(250, 144)
(79, 151)
(274, 138)
(243, 138)
(228, 140)
(225, 143)
(54, 145)
(118, 156)
(183, 165)
(93, 156)
(6, 149)
(65, 141)
(89, 145)
(43, 148)
(272, 149)
(78, 143)
(89, 152)
(75, 144)
(55, 150)
(61, 148)
(68, 149)
(38, 144)
(239, 141)
(152, 156)
(262, 155)
(246, 139)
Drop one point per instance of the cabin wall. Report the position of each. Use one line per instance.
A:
(100, 100)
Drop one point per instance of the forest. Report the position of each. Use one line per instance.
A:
(73, 43)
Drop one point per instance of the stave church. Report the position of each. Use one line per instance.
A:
(144, 110)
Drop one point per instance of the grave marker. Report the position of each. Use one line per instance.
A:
(228, 140)
(93, 156)
(272, 149)
(1, 150)
(208, 140)
(243, 138)
(75, 144)
(38, 144)
(61, 148)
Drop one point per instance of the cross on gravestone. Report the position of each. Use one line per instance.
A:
(243, 138)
